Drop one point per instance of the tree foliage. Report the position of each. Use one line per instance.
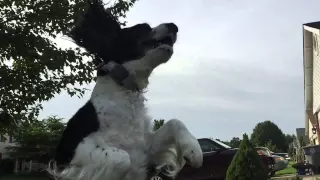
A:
(33, 68)
(235, 142)
(157, 124)
(290, 138)
(271, 146)
(267, 131)
(246, 164)
(37, 140)
(7, 123)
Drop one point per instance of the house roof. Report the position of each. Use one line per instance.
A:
(313, 24)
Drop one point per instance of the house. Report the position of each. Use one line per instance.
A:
(311, 68)
(5, 141)
(20, 165)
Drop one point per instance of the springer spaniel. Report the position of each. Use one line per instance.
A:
(111, 136)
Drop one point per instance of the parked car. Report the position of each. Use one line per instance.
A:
(280, 162)
(217, 157)
(284, 155)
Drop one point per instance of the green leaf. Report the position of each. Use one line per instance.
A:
(32, 67)
(37, 140)
(157, 124)
(268, 132)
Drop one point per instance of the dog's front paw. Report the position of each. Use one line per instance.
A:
(191, 151)
(188, 145)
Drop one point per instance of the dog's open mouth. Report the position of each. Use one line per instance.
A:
(168, 39)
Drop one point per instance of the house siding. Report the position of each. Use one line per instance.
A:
(316, 73)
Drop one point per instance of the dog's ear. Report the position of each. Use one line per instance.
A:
(96, 30)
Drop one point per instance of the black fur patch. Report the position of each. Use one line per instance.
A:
(83, 123)
(99, 32)
(96, 30)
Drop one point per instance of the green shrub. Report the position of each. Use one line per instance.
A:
(6, 166)
(35, 174)
(246, 164)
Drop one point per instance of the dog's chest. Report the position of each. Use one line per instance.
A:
(121, 118)
(122, 125)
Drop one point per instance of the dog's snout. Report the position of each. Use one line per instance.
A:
(172, 27)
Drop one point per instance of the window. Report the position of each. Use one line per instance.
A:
(208, 146)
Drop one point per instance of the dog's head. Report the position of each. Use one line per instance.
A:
(139, 49)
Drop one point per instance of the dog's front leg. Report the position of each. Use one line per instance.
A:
(96, 160)
(174, 134)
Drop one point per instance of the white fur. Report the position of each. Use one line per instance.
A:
(126, 132)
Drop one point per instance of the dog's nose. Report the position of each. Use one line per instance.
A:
(172, 27)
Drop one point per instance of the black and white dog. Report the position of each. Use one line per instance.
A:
(111, 136)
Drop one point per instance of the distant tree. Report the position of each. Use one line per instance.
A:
(271, 146)
(157, 124)
(235, 142)
(7, 123)
(246, 164)
(267, 131)
(292, 151)
(33, 68)
(37, 140)
(290, 138)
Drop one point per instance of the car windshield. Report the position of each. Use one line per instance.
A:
(222, 144)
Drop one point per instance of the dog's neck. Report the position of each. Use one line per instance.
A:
(105, 85)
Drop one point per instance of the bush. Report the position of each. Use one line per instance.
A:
(6, 166)
(246, 164)
(33, 174)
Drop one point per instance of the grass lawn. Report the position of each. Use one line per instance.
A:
(287, 171)
(22, 178)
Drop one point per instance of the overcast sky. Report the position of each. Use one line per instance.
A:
(236, 63)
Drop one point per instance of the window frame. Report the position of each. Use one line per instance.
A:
(217, 147)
